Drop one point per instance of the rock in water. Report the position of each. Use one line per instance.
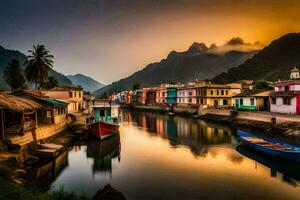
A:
(108, 193)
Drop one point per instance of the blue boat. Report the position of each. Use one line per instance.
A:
(270, 146)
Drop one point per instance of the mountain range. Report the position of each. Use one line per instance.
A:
(198, 62)
(85, 82)
(273, 62)
(7, 55)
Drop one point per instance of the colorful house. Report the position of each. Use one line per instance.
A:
(286, 97)
(252, 100)
(171, 94)
(122, 97)
(150, 96)
(216, 95)
(71, 95)
(161, 94)
(186, 94)
(138, 99)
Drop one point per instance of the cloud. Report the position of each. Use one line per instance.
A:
(235, 44)
(235, 41)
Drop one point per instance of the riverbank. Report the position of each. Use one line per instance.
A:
(23, 175)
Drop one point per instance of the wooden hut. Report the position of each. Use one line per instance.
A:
(18, 114)
(52, 111)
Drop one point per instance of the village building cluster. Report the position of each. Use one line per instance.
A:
(46, 112)
(43, 113)
(240, 95)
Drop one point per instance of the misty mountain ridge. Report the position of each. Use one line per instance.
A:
(198, 62)
(273, 62)
(87, 83)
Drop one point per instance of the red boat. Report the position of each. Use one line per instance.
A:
(104, 121)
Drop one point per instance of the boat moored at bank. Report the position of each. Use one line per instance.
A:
(270, 146)
(104, 120)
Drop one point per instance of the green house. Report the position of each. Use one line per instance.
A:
(252, 100)
(171, 97)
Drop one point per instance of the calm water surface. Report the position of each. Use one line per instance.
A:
(162, 157)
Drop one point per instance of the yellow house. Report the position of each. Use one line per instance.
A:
(216, 95)
(71, 95)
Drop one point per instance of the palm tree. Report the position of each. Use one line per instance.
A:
(51, 83)
(38, 65)
(14, 76)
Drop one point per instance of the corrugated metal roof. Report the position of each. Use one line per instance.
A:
(56, 102)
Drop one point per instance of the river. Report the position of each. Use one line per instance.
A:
(162, 157)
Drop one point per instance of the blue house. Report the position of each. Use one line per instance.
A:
(171, 97)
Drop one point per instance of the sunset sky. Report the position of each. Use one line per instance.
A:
(110, 39)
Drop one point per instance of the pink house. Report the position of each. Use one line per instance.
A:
(186, 94)
(286, 97)
(161, 94)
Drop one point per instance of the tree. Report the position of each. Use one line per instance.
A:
(136, 86)
(264, 85)
(14, 76)
(38, 64)
(51, 83)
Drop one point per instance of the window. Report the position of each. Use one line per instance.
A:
(75, 94)
(71, 94)
(286, 100)
(49, 114)
(225, 102)
(252, 102)
(222, 92)
(190, 100)
(273, 100)
(286, 88)
(79, 94)
(204, 92)
(241, 102)
(201, 101)
(217, 92)
(226, 92)
(211, 92)
(190, 93)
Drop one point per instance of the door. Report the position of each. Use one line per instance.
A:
(216, 104)
(298, 105)
(237, 103)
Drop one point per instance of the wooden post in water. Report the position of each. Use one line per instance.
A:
(2, 124)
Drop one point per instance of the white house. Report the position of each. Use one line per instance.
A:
(286, 97)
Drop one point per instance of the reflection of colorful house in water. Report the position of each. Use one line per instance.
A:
(103, 152)
(199, 135)
(151, 122)
(196, 134)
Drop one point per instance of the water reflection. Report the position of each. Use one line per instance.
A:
(176, 158)
(103, 152)
(198, 135)
(289, 170)
(46, 171)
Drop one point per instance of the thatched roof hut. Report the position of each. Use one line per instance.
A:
(17, 104)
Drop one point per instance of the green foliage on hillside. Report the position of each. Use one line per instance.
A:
(7, 55)
(271, 63)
